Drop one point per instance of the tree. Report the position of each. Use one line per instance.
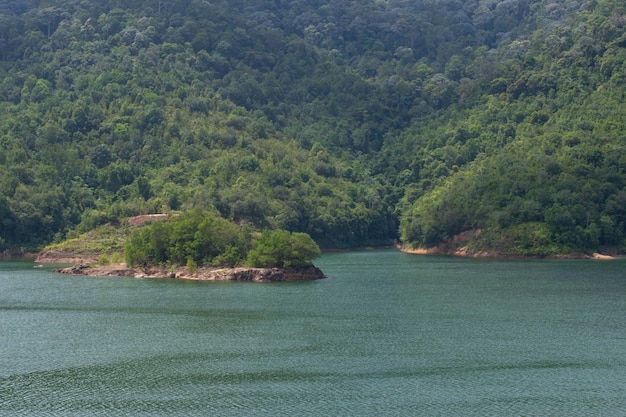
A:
(282, 249)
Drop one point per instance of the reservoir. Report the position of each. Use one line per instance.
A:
(387, 334)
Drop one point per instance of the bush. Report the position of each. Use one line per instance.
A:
(103, 260)
(192, 266)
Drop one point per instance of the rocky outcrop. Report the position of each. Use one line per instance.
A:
(264, 274)
(201, 274)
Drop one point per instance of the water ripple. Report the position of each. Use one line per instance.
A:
(194, 384)
(442, 337)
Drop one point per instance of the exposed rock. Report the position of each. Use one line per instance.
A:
(201, 274)
(77, 269)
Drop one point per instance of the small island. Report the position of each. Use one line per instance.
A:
(201, 274)
(196, 245)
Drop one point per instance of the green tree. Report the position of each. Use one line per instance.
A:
(280, 248)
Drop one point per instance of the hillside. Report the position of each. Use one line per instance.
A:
(357, 123)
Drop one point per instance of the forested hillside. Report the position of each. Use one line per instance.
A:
(358, 123)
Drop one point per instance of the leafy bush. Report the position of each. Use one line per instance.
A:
(103, 260)
(192, 266)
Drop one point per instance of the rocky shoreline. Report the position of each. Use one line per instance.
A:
(464, 243)
(201, 274)
(463, 252)
(86, 265)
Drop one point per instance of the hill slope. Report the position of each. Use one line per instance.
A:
(358, 123)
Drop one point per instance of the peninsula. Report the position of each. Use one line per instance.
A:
(475, 244)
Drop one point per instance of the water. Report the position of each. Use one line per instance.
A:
(388, 334)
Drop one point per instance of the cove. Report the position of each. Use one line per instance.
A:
(387, 333)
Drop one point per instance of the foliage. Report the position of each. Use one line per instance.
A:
(102, 240)
(103, 260)
(280, 248)
(200, 237)
(354, 122)
(197, 237)
(535, 164)
(115, 258)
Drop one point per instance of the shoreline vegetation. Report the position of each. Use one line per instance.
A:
(476, 244)
(101, 253)
(87, 265)
(479, 244)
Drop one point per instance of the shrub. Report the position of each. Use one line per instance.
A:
(103, 260)
(192, 266)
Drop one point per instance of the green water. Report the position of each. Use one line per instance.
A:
(388, 334)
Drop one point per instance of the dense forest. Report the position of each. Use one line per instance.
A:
(358, 123)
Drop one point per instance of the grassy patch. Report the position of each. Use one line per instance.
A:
(107, 239)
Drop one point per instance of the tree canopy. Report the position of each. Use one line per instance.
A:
(358, 123)
(200, 237)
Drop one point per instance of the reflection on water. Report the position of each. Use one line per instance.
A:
(387, 334)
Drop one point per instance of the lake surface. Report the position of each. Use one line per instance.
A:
(389, 334)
